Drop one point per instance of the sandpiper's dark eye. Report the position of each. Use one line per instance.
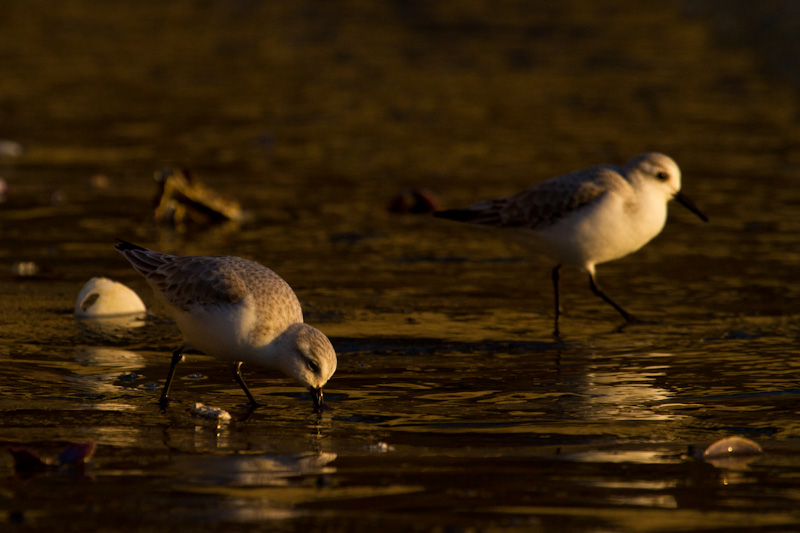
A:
(662, 176)
(312, 366)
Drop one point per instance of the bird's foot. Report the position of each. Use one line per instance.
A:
(631, 320)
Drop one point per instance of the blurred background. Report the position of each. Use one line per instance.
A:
(315, 117)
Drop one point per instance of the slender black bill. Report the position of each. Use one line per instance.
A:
(316, 395)
(688, 204)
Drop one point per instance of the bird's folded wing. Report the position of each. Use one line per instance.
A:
(187, 282)
(545, 203)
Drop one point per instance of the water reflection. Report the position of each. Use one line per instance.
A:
(253, 470)
(625, 395)
(211, 434)
(621, 455)
(98, 358)
(99, 372)
(110, 329)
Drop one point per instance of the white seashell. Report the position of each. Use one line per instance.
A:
(102, 297)
(732, 447)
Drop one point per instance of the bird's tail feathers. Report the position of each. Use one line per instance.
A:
(125, 245)
(459, 215)
(143, 260)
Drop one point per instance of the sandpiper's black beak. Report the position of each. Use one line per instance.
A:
(688, 204)
(316, 395)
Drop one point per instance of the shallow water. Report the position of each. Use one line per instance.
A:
(453, 407)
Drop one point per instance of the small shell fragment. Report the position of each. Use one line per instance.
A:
(77, 454)
(413, 201)
(24, 268)
(9, 148)
(206, 411)
(379, 447)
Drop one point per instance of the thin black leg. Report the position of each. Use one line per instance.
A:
(177, 355)
(557, 302)
(596, 290)
(237, 375)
